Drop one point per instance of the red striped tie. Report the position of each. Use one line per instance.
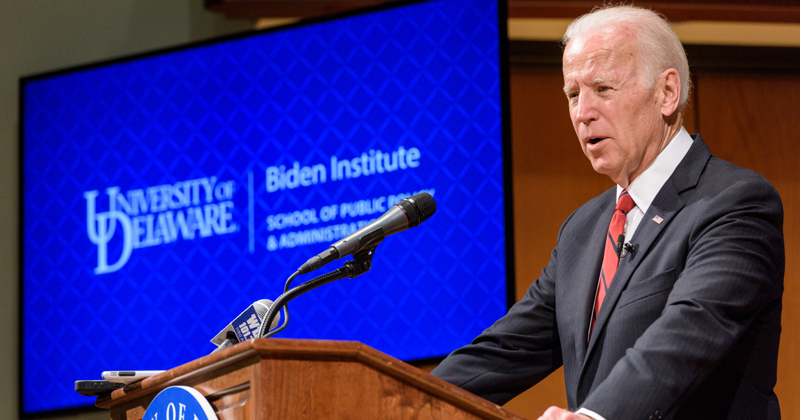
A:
(611, 255)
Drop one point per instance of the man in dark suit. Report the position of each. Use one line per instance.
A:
(662, 298)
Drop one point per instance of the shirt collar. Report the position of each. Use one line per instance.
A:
(644, 188)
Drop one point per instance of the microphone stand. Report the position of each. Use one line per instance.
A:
(361, 263)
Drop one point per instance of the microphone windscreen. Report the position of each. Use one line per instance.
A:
(262, 307)
(418, 208)
(248, 323)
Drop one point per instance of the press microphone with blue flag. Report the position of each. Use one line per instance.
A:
(245, 326)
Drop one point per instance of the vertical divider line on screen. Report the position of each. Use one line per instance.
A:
(251, 233)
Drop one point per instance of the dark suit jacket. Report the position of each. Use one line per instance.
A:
(691, 323)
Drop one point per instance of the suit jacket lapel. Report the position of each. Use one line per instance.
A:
(665, 206)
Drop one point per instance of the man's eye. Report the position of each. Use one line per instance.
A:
(603, 88)
(572, 95)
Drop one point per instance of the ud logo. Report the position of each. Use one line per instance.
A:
(158, 215)
(180, 403)
(101, 228)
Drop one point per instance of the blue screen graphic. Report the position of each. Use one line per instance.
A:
(164, 194)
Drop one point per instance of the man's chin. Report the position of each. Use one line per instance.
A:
(603, 167)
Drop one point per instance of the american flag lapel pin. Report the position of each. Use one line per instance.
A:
(658, 219)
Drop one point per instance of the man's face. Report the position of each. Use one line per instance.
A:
(614, 111)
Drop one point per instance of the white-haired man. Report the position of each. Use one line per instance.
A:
(662, 298)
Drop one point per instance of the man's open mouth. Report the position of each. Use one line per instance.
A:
(596, 140)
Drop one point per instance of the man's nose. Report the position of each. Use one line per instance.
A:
(586, 108)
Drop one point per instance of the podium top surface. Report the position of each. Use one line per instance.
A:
(254, 351)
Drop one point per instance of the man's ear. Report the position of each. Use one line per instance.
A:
(670, 90)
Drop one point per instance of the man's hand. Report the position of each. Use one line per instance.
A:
(555, 413)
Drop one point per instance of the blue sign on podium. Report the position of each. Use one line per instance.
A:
(180, 403)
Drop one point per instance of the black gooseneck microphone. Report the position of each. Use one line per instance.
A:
(406, 214)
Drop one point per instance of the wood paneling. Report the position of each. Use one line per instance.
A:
(546, 55)
(676, 10)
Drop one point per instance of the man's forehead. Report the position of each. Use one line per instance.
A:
(600, 55)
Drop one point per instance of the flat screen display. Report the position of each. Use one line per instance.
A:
(164, 193)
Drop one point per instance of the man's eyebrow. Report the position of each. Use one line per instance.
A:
(595, 82)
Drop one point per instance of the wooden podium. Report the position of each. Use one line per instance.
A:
(307, 379)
